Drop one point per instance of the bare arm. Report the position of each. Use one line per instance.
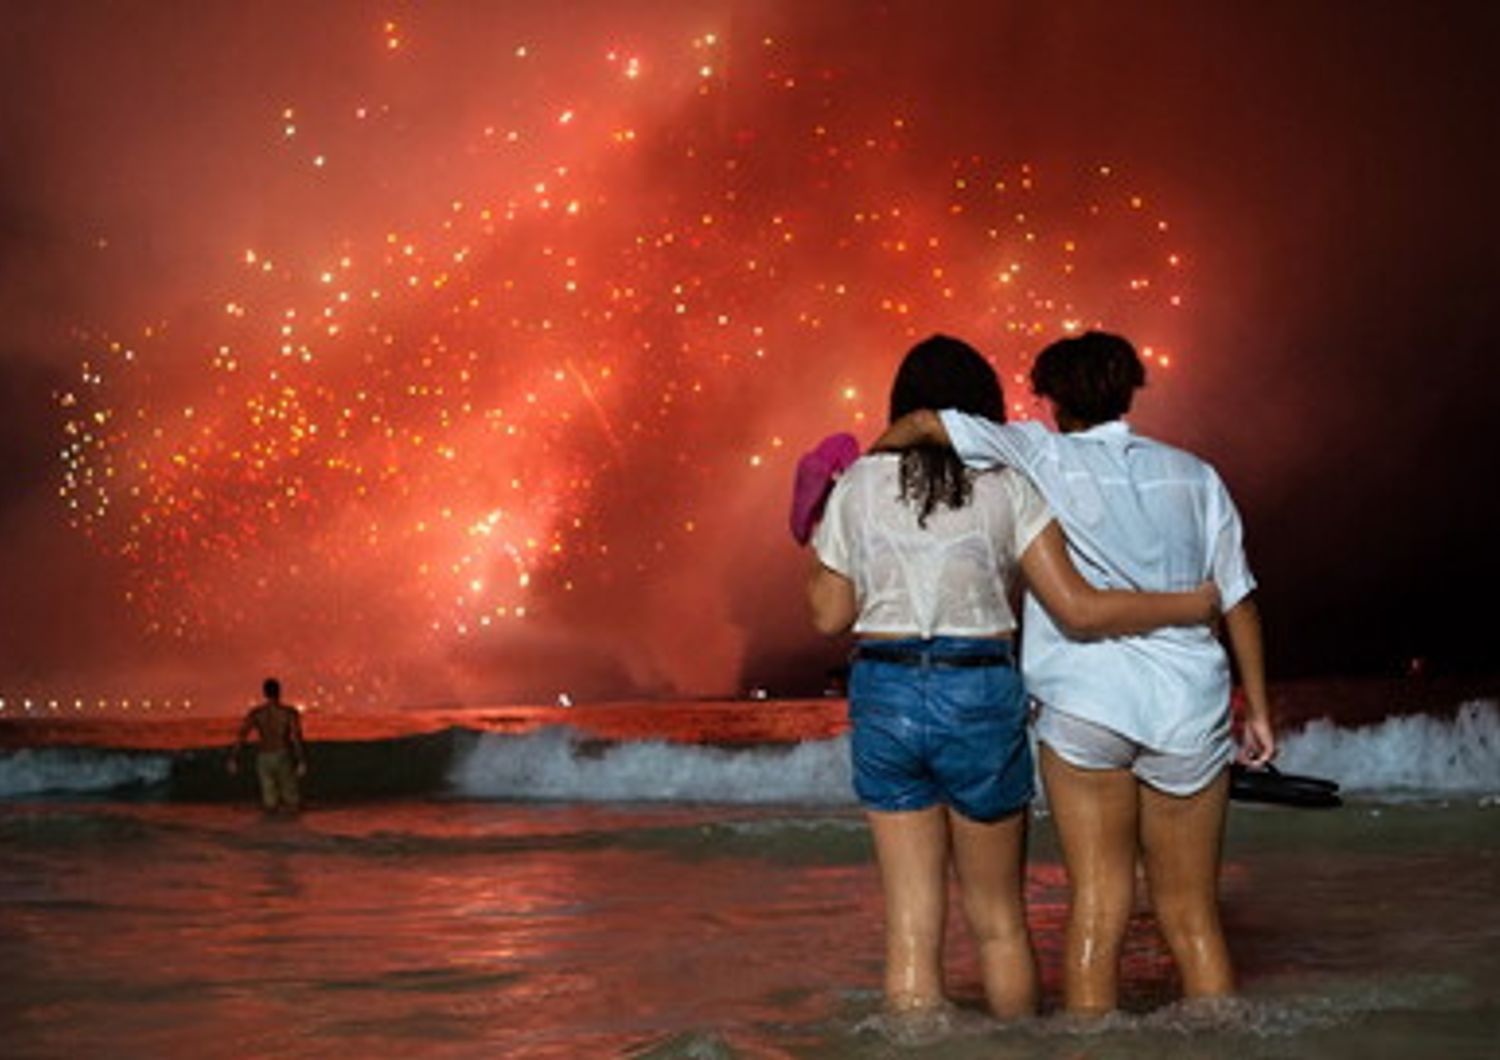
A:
(1247, 644)
(294, 741)
(233, 762)
(830, 596)
(1084, 611)
(923, 427)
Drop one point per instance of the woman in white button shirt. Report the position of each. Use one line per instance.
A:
(1135, 731)
(921, 558)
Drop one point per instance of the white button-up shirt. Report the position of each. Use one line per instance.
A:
(1138, 514)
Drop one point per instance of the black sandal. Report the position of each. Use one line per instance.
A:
(1269, 784)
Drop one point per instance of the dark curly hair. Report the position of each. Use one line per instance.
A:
(942, 372)
(1092, 376)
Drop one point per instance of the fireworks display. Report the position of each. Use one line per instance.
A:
(492, 403)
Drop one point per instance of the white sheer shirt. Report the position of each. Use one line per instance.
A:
(1137, 514)
(951, 578)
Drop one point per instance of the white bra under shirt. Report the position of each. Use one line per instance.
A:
(953, 577)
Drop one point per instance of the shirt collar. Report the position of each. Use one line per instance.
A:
(1117, 432)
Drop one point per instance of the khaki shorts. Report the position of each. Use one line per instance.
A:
(278, 780)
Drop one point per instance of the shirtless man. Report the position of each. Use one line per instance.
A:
(280, 758)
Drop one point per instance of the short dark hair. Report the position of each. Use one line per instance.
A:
(942, 372)
(271, 687)
(1092, 376)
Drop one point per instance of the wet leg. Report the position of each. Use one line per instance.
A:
(990, 858)
(912, 848)
(1183, 837)
(1095, 811)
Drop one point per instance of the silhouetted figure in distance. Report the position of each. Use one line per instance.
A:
(280, 755)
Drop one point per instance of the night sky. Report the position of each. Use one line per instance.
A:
(463, 351)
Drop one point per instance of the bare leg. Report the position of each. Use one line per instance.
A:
(912, 848)
(1095, 811)
(1183, 837)
(991, 871)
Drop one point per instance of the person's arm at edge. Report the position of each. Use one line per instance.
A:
(830, 597)
(1084, 611)
(1247, 644)
(922, 427)
(294, 739)
(233, 762)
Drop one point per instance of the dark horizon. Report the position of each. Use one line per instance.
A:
(1325, 170)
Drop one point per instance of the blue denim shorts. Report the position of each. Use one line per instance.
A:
(924, 733)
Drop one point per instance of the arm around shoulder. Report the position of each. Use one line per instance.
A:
(1084, 611)
(922, 427)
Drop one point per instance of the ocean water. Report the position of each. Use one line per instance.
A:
(683, 880)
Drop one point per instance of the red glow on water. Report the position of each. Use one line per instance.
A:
(719, 724)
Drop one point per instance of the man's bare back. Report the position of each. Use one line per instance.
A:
(277, 725)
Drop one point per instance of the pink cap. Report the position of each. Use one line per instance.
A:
(816, 472)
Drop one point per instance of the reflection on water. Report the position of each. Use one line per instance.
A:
(459, 929)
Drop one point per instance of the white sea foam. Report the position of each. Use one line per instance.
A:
(1399, 758)
(48, 770)
(1414, 755)
(555, 764)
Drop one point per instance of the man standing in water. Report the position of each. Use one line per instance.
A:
(280, 757)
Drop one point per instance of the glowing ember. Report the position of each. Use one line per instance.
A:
(640, 278)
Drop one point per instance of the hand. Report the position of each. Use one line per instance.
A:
(232, 764)
(921, 427)
(1257, 741)
(891, 440)
(302, 769)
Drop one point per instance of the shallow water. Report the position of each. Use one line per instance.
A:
(460, 928)
(684, 880)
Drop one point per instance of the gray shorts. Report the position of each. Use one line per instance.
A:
(1089, 746)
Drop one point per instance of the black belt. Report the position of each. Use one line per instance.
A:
(923, 657)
